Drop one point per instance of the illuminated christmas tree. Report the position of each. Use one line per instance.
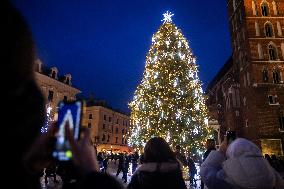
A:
(169, 102)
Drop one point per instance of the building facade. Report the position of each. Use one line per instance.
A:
(55, 88)
(108, 128)
(249, 95)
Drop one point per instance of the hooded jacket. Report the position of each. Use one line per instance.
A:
(244, 168)
(165, 175)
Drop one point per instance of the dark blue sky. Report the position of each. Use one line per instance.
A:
(103, 43)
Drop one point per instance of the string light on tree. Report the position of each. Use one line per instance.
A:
(48, 119)
(170, 94)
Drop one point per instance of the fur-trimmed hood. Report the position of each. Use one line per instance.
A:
(246, 167)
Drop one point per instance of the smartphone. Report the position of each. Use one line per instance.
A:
(231, 136)
(68, 112)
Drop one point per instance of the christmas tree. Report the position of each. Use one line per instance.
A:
(169, 102)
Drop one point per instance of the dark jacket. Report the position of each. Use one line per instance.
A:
(100, 180)
(157, 175)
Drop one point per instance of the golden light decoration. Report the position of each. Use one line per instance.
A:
(169, 102)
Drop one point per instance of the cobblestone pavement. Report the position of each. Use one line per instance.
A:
(112, 168)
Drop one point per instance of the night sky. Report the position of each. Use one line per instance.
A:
(104, 43)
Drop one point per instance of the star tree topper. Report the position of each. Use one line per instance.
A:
(167, 17)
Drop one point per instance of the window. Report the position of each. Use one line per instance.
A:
(264, 9)
(276, 76)
(108, 138)
(116, 130)
(247, 123)
(122, 131)
(112, 128)
(237, 113)
(265, 75)
(53, 75)
(117, 121)
(122, 140)
(104, 137)
(272, 52)
(105, 117)
(67, 81)
(104, 126)
(268, 30)
(37, 67)
(109, 119)
(116, 139)
(65, 99)
(281, 120)
(50, 96)
(90, 116)
(272, 99)
(89, 125)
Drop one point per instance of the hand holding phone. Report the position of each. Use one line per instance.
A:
(69, 113)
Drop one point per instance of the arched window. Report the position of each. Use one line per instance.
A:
(265, 75)
(268, 30)
(264, 9)
(276, 76)
(104, 137)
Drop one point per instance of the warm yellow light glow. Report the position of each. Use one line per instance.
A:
(169, 101)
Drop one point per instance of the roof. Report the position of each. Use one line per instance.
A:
(225, 68)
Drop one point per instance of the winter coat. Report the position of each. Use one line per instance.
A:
(244, 168)
(157, 175)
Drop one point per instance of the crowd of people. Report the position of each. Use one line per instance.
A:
(238, 164)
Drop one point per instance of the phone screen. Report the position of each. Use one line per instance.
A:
(67, 113)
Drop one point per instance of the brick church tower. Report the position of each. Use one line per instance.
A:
(257, 36)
